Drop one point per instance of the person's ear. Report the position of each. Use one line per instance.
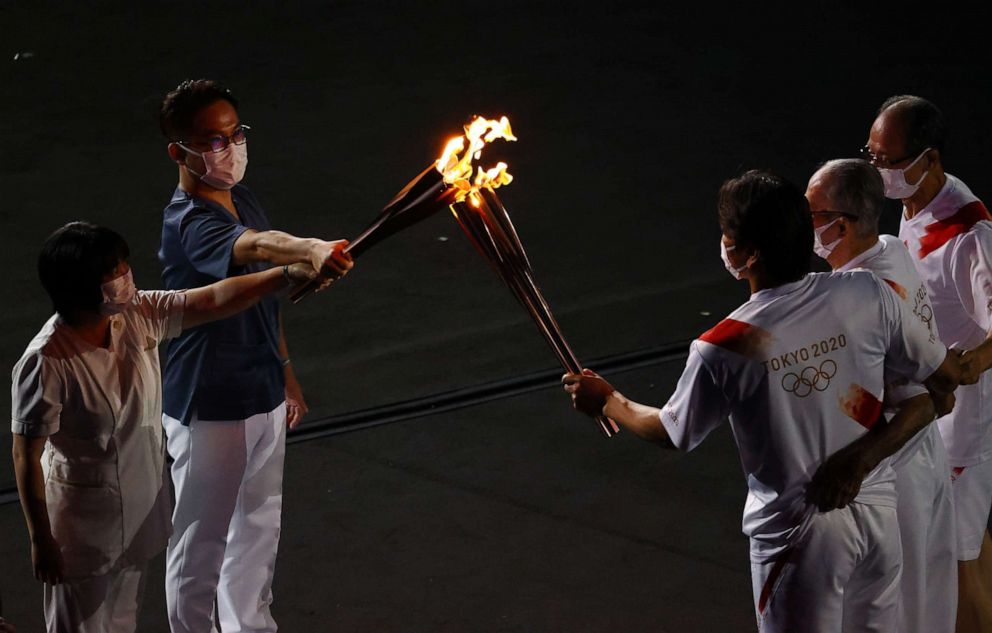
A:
(933, 157)
(176, 153)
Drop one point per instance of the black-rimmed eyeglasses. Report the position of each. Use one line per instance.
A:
(872, 158)
(219, 143)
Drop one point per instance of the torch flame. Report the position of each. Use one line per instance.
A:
(455, 163)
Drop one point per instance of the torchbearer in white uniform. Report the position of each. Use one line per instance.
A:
(799, 370)
(946, 229)
(846, 199)
(89, 455)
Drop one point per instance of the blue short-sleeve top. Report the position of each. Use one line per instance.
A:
(229, 369)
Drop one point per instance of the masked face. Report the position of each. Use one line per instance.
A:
(821, 249)
(118, 293)
(225, 168)
(896, 185)
(736, 271)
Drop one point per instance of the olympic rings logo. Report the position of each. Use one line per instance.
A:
(925, 313)
(810, 379)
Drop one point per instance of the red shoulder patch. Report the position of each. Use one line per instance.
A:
(941, 231)
(899, 289)
(861, 406)
(738, 337)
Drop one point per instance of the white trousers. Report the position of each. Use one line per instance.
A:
(228, 480)
(104, 604)
(929, 584)
(843, 576)
(972, 488)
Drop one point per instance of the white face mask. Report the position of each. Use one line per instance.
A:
(225, 168)
(118, 294)
(821, 249)
(736, 272)
(896, 186)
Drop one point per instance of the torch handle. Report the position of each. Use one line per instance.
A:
(307, 288)
(421, 197)
(565, 354)
(504, 252)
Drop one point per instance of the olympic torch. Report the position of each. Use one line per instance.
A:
(426, 194)
(487, 224)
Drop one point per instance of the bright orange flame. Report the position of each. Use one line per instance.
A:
(455, 163)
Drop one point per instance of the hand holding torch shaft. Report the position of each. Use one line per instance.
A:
(487, 224)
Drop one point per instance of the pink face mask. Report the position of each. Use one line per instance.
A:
(225, 168)
(118, 293)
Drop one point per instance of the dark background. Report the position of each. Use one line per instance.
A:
(512, 515)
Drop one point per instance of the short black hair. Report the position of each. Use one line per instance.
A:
(925, 123)
(73, 262)
(763, 211)
(180, 106)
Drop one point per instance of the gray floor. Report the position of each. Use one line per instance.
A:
(513, 515)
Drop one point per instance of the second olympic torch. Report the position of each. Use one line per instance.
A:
(486, 223)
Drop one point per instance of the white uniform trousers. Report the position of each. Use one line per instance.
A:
(228, 480)
(972, 487)
(843, 576)
(109, 603)
(929, 584)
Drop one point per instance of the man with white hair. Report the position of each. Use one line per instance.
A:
(846, 198)
(944, 226)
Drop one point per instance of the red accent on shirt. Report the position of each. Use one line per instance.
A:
(939, 232)
(899, 289)
(861, 406)
(738, 337)
(766, 589)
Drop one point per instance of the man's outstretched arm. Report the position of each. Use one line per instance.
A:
(277, 247)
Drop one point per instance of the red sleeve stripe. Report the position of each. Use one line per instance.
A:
(899, 289)
(939, 232)
(738, 337)
(861, 406)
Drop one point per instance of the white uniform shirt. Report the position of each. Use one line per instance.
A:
(799, 370)
(950, 242)
(101, 409)
(892, 263)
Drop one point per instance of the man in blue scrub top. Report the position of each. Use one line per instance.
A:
(229, 387)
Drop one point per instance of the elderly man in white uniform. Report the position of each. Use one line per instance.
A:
(846, 199)
(799, 371)
(87, 404)
(946, 229)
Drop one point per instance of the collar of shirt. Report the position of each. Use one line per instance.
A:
(778, 291)
(857, 261)
(116, 332)
(943, 204)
